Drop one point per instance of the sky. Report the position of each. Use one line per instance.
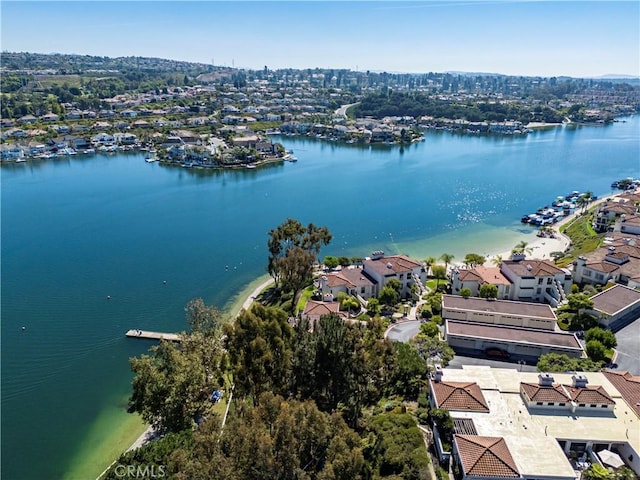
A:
(512, 37)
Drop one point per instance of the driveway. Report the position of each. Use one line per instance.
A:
(628, 349)
(403, 331)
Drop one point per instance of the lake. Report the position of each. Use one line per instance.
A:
(88, 244)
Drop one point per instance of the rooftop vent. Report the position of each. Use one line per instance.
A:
(389, 265)
(529, 268)
(545, 380)
(437, 374)
(579, 381)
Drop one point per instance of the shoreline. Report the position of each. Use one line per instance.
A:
(542, 248)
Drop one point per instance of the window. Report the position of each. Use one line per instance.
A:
(361, 289)
(599, 276)
(587, 273)
(561, 404)
(539, 403)
(593, 405)
(539, 291)
(539, 281)
(401, 276)
(550, 403)
(582, 405)
(603, 406)
(549, 280)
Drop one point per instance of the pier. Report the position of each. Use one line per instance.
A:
(174, 337)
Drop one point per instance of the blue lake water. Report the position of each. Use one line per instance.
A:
(77, 230)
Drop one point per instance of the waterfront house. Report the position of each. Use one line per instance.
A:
(519, 279)
(617, 261)
(408, 272)
(536, 280)
(350, 280)
(11, 152)
(474, 278)
(103, 138)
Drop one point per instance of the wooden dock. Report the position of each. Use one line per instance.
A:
(174, 337)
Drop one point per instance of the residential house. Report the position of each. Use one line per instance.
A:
(351, 280)
(11, 152)
(50, 117)
(537, 425)
(408, 272)
(314, 309)
(536, 280)
(27, 119)
(617, 261)
(102, 138)
(616, 306)
(474, 278)
(128, 113)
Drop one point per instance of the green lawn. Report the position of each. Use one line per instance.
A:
(306, 294)
(583, 238)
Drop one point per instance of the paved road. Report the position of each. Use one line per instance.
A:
(404, 331)
(628, 349)
(342, 111)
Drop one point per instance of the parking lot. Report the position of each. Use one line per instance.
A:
(628, 349)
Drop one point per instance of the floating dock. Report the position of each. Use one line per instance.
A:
(174, 337)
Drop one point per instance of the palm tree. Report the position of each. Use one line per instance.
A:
(446, 258)
(521, 247)
(497, 260)
(429, 262)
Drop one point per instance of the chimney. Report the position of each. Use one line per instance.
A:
(545, 380)
(579, 381)
(437, 374)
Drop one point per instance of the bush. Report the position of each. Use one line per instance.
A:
(423, 400)
(596, 351)
(605, 337)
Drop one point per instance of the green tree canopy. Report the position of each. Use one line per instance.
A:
(488, 291)
(473, 259)
(555, 362)
(293, 248)
(260, 348)
(331, 262)
(465, 292)
(605, 337)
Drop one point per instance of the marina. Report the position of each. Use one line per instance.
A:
(561, 207)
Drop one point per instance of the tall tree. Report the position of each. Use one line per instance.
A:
(440, 273)
(473, 259)
(172, 384)
(293, 249)
(446, 258)
(260, 350)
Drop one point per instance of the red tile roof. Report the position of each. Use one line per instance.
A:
(392, 264)
(485, 457)
(461, 396)
(588, 395)
(629, 387)
(539, 268)
(539, 393)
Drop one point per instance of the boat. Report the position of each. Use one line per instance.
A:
(150, 159)
(250, 166)
(88, 151)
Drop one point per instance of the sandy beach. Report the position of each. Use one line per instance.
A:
(543, 247)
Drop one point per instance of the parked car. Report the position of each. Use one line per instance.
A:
(496, 352)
